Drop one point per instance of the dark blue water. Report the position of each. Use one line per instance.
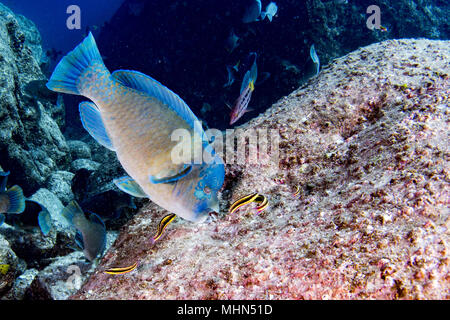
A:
(183, 43)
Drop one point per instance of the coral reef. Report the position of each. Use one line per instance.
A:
(31, 142)
(366, 142)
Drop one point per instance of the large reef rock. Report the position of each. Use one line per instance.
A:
(31, 142)
(366, 142)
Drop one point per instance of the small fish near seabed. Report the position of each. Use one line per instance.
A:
(135, 116)
(271, 11)
(252, 12)
(247, 88)
(315, 58)
(12, 200)
(260, 199)
(91, 232)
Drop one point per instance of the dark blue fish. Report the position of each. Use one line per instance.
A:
(91, 232)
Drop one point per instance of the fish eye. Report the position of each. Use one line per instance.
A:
(207, 190)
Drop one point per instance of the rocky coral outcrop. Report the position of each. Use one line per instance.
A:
(31, 143)
(366, 143)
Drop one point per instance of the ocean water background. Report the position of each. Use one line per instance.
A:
(183, 44)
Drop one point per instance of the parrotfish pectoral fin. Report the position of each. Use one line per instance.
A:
(173, 178)
(128, 185)
(92, 122)
(141, 82)
(16, 200)
(73, 65)
(2, 218)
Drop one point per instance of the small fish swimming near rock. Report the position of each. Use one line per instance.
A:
(135, 116)
(247, 88)
(91, 233)
(12, 199)
(315, 58)
(254, 197)
(121, 270)
(271, 11)
(165, 221)
(252, 12)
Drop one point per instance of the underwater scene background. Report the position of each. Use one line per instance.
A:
(355, 207)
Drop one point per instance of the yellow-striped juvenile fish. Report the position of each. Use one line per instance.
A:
(297, 191)
(254, 197)
(135, 116)
(121, 270)
(163, 224)
(263, 203)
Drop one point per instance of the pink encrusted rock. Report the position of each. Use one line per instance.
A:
(367, 143)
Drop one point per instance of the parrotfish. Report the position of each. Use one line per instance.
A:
(135, 116)
(91, 232)
(247, 88)
(315, 58)
(12, 199)
(271, 11)
(252, 12)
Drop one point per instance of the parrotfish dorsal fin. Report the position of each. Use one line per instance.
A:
(144, 83)
(245, 81)
(92, 122)
(128, 185)
(173, 178)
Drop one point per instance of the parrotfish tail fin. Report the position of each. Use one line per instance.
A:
(16, 200)
(67, 74)
(245, 81)
(254, 72)
(71, 211)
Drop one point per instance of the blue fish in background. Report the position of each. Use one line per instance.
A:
(11, 200)
(271, 11)
(247, 88)
(91, 232)
(315, 58)
(252, 12)
(135, 116)
(230, 71)
(44, 219)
